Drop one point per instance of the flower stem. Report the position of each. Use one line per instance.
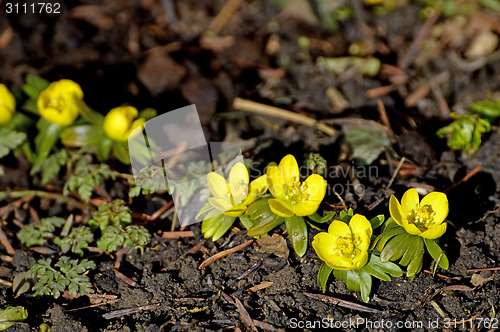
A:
(46, 194)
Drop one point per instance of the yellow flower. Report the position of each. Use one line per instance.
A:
(119, 122)
(7, 104)
(345, 247)
(59, 102)
(293, 197)
(423, 218)
(233, 197)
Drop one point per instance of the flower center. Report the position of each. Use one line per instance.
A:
(56, 103)
(238, 192)
(296, 192)
(344, 246)
(422, 217)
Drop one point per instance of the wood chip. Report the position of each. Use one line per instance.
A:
(125, 279)
(177, 234)
(128, 311)
(341, 303)
(244, 314)
(224, 253)
(260, 286)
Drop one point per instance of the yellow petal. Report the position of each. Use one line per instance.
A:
(238, 174)
(276, 181)
(218, 185)
(280, 207)
(238, 182)
(257, 188)
(7, 104)
(339, 229)
(439, 203)
(316, 187)
(68, 87)
(5, 114)
(119, 122)
(434, 232)
(395, 210)
(220, 204)
(361, 231)
(412, 229)
(57, 103)
(324, 245)
(408, 202)
(305, 208)
(137, 124)
(290, 169)
(360, 260)
(236, 211)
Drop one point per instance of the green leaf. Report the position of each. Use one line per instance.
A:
(489, 110)
(316, 163)
(224, 224)
(465, 132)
(387, 234)
(76, 241)
(10, 140)
(246, 221)
(147, 113)
(116, 236)
(36, 234)
(317, 218)
(297, 229)
(377, 221)
(415, 249)
(120, 152)
(264, 221)
(415, 265)
(65, 273)
(365, 284)
(89, 114)
(86, 176)
(81, 135)
(435, 251)
(116, 213)
(366, 144)
(12, 314)
(350, 278)
(104, 147)
(323, 274)
(150, 179)
(48, 134)
(216, 224)
(50, 166)
(395, 248)
(37, 82)
(34, 85)
(381, 270)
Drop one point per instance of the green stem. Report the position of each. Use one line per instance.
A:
(45, 194)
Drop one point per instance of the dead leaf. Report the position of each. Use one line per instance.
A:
(93, 14)
(477, 280)
(482, 45)
(274, 244)
(160, 72)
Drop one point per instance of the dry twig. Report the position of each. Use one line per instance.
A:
(224, 253)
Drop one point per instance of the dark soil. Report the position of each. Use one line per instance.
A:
(145, 54)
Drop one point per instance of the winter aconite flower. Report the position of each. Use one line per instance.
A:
(59, 103)
(425, 218)
(120, 122)
(345, 247)
(233, 197)
(7, 104)
(293, 197)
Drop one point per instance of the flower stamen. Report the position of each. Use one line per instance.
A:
(422, 217)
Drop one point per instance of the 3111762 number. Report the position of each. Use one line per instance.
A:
(33, 8)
